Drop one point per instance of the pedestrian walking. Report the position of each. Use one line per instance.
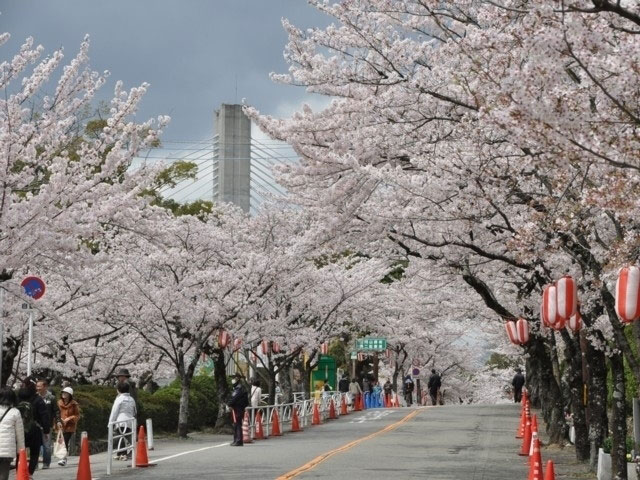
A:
(434, 387)
(256, 393)
(124, 376)
(42, 387)
(11, 431)
(343, 384)
(68, 420)
(377, 394)
(124, 409)
(408, 387)
(35, 420)
(354, 391)
(517, 383)
(238, 403)
(388, 392)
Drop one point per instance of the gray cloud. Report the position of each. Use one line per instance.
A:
(190, 51)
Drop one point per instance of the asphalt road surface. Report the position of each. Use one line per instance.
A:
(470, 442)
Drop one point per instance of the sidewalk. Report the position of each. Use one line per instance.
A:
(564, 459)
(165, 448)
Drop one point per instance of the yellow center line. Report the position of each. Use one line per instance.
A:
(321, 458)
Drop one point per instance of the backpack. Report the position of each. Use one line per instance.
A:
(26, 412)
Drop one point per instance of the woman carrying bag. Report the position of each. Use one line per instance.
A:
(69, 416)
(11, 431)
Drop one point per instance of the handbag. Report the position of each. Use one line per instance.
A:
(60, 449)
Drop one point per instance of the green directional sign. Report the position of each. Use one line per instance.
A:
(371, 344)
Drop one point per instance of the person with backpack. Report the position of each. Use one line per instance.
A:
(69, 416)
(239, 401)
(35, 419)
(11, 431)
(434, 387)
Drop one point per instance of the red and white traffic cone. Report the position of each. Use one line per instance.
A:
(549, 473)
(332, 410)
(246, 434)
(526, 440)
(535, 465)
(295, 422)
(315, 420)
(343, 406)
(259, 429)
(275, 422)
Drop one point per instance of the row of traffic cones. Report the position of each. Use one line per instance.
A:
(84, 463)
(528, 432)
(295, 421)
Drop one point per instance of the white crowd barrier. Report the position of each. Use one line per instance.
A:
(125, 433)
(303, 406)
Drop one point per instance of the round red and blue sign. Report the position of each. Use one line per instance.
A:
(34, 287)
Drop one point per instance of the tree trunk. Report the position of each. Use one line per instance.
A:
(223, 421)
(285, 383)
(618, 420)
(545, 388)
(573, 357)
(10, 351)
(597, 398)
(183, 415)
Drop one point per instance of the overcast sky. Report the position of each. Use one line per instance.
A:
(190, 51)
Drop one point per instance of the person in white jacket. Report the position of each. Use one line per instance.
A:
(256, 393)
(11, 431)
(124, 409)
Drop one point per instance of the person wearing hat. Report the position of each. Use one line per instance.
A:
(239, 401)
(68, 420)
(518, 383)
(124, 376)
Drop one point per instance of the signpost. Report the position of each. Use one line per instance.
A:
(33, 287)
(371, 344)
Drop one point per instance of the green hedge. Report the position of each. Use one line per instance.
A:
(162, 406)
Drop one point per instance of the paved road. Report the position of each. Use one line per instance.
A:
(437, 443)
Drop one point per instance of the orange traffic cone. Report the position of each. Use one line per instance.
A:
(23, 469)
(535, 465)
(549, 473)
(142, 459)
(332, 410)
(315, 420)
(275, 420)
(84, 464)
(246, 434)
(523, 420)
(259, 429)
(295, 422)
(534, 432)
(343, 407)
(357, 406)
(526, 440)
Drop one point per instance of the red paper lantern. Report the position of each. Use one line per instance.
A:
(237, 343)
(512, 332)
(549, 306)
(388, 353)
(575, 322)
(275, 347)
(627, 294)
(361, 357)
(264, 345)
(223, 338)
(324, 348)
(523, 331)
(566, 297)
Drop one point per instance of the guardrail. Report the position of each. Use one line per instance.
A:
(304, 408)
(120, 431)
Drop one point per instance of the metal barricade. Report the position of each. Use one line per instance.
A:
(121, 435)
